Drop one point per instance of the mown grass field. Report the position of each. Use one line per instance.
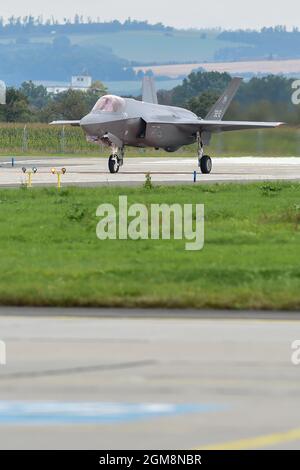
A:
(42, 139)
(50, 254)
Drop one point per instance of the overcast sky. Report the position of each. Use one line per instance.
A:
(184, 14)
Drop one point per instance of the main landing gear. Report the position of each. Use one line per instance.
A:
(116, 160)
(204, 161)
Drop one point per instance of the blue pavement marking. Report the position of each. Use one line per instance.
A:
(27, 413)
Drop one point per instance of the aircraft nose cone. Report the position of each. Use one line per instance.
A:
(93, 118)
(95, 124)
(85, 120)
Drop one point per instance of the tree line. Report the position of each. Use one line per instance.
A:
(264, 98)
(32, 103)
(261, 98)
(268, 43)
(77, 25)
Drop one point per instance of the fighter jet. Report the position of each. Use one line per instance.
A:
(119, 122)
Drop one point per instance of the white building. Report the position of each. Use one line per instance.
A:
(78, 82)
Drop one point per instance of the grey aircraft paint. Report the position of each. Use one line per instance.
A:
(119, 122)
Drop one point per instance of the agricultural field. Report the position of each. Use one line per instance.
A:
(50, 254)
(42, 139)
(147, 46)
(152, 46)
(275, 67)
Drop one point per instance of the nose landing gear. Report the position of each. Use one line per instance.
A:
(113, 163)
(116, 160)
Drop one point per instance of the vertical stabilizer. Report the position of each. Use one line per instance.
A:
(220, 107)
(149, 91)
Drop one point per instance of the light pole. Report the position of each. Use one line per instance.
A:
(58, 173)
(28, 175)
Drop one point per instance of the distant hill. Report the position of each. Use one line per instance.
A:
(107, 56)
(22, 62)
(34, 50)
(272, 43)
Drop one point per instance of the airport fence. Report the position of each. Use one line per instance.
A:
(40, 139)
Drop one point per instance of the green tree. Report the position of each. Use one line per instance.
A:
(198, 82)
(274, 88)
(67, 105)
(37, 95)
(201, 104)
(17, 107)
(72, 104)
(99, 88)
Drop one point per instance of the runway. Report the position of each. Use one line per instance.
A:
(85, 171)
(118, 382)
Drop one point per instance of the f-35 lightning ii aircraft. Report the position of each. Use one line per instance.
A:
(118, 122)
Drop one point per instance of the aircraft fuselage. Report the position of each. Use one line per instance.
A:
(141, 124)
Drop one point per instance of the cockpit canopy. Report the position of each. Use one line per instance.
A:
(110, 104)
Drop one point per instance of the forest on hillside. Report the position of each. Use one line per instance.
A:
(77, 25)
(268, 43)
(47, 49)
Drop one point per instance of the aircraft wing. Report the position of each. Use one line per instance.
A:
(65, 123)
(222, 126)
(204, 125)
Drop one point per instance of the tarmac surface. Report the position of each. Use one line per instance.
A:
(121, 379)
(110, 379)
(85, 171)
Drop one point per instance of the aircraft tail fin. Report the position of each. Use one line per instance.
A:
(218, 110)
(149, 91)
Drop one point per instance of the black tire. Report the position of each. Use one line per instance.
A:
(205, 164)
(113, 164)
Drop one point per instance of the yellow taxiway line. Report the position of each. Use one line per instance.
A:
(257, 442)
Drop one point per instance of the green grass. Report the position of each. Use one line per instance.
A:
(50, 254)
(42, 139)
(284, 141)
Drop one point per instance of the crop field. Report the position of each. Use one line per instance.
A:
(238, 67)
(148, 46)
(42, 139)
(50, 254)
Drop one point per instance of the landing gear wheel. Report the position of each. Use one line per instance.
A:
(113, 164)
(205, 164)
